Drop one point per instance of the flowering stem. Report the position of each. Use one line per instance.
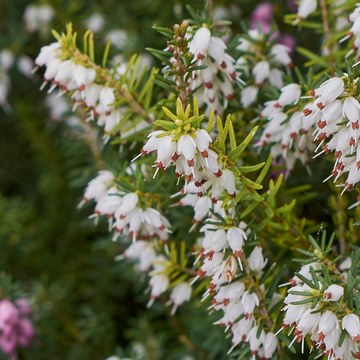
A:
(123, 91)
(262, 307)
(181, 71)
(131, 101)
(327, 34)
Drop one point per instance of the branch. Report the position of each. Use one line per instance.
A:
(327, 34)
(124, 92)
(262, 307)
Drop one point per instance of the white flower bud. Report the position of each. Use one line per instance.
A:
(159, 283)
(308, 321)
(306, 7)
(97, 187)
(109, 202)
(200, 43)
(256, 259)
(229, 268)
(202, 140)
(350, 323)
(276, 78)
(249, 302)
(235, 238)
(255, 342)
(350, 110)
(248, 96)
(289, 94)
(166, 149)
(270, 344)
(333, 293)
(328, 321)
(181, 293)
(261, 72)
(281, 54)
(218, 240)
(329, 91)
(107, 98)
(201, 208)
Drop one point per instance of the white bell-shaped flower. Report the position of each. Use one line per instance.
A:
(261, 72)
(200, 43)
(281, 55)
(186, 146)
(180, 294)
(289, 94)
(166, 149)
(107, 98)
(129, 202)
(249, 302)
(328, 321)
(248, 96)
(306, 7)
(351, 324)
(254, 341)
(270, 344)
(235, 238)
(333, 293)
(202, 140)
(97, 187)
(159, 283)
(308, 321)
(256, 259)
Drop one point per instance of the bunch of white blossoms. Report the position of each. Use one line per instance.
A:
(305, 8)
(187, 148)
(324, 327)
(124, 211)
(354, 31)
(143, 252)
(337, 108)
(230, 294)
(7, 59)
(213, 91)
(289, 131)
(261, 69)
(38, 17)
(80, 81)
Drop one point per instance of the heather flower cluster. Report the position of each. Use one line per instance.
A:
(16, 329)
(354, 31)
(215, 91)
(261, 63)
(337, 109)
(291, 122)
(37, 18)
(187, 147)
(232, 293)
(124, 210)
(66, 70)
(312, 308)
(7, 59)
(241, 225)
(159, 268)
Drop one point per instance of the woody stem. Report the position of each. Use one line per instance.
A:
(327, 34)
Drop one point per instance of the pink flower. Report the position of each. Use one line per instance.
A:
(263, 13)
(23, 306)
(15, 327)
